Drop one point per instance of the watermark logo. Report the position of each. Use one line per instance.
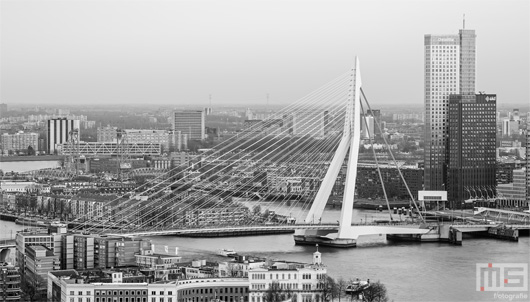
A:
(502, 277)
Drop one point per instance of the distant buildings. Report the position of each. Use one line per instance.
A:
(471, 147)
(136, 136)
(58, 132)
(449, 69)
(19, 141)
(3, 110)
(310, 122)
(369, 185)
(191, 123)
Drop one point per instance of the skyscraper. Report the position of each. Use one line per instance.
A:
(471, 148)
(449, 69)
(191, 123)
(58, 131)
(528, 161)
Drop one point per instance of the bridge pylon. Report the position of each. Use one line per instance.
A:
(349, 143)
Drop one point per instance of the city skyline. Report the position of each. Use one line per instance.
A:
(175, 56)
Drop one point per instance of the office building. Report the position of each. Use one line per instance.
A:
(449, 69)
(39, 261)
(140, 136)
(528, 161)
(19, 141)
(513, 195)
(367, 127)
(58, 132)
(190, 122)
(471, 148)
(9, 283)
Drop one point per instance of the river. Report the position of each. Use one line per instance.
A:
(410, 271)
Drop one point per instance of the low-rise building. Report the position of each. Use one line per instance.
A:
(305, 282)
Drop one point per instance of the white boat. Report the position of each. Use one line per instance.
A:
(226, 252)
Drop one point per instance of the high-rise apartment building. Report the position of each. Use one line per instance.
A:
(58, 132)
(19, 141)
(449, 69)
(471, 147)
(190, 122)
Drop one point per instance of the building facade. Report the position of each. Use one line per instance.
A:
(304, 282)
(58, 132)
(528, 161)
(513, 195)
(471, 148)
(190, 122)
(449, 69)
(143, 136)
(19, 141)
(9, 283)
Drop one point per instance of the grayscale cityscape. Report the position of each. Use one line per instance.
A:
(264, 151)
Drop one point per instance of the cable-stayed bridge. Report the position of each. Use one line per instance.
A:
(291, 163)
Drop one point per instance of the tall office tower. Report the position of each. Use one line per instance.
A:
(190, 122)
(3, 110)
(449, 69)
(528, 162)
(471, 148)
(367, 132)
(58, 132)
(376, 113)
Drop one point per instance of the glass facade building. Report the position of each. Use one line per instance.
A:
(449, 69)
(471, 148)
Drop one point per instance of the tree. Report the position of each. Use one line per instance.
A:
(256, 210)
(329, 289)
(274, 293)
(31, 151)
(341, 287)
(375, 293)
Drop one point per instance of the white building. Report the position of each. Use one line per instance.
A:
(305, 281)
(58, 132)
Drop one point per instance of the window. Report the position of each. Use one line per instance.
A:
(71, 293)
(88, 293)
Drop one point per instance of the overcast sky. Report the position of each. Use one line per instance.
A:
(179, 52)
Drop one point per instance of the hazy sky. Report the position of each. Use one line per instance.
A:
(179, 52)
